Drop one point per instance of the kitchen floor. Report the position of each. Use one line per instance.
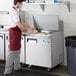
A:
(57, 71)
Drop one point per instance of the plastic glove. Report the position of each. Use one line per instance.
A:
(35, 31)
(29, 30)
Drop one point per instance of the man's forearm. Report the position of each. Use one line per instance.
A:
(21, 26)
(26, 25)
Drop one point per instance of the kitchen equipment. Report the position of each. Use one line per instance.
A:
(23, 51)
(2, 47)
(45, 48)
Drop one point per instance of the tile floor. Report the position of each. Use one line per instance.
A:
(58, 70)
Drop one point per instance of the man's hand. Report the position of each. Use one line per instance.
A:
(35, 31)
(30, 30)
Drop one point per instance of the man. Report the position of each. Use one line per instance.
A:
(16, 28)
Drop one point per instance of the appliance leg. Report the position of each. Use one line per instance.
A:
(29, 66)
(48, 69)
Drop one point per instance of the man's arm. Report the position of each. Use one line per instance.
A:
(22, 27)
(24, 24)
(26, 28)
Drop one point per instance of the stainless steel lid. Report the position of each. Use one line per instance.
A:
(46, 22)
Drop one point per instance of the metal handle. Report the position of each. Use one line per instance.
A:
(28, 1)
(1, 37)
(21, 38)
(32, 39)
(4, 12)
(6, 37)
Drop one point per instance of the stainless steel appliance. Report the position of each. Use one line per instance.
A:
(2, 50)
(45, 48)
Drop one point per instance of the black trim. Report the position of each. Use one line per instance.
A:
(31, 39)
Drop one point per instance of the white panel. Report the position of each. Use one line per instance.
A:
(46, 22)
(55, 9)
(4, 19)
(22, 55)
(1, 46)
(6, 45)
(57, 48)
(38, 53)
(73, 1)
(5, 5)
(32, 8)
